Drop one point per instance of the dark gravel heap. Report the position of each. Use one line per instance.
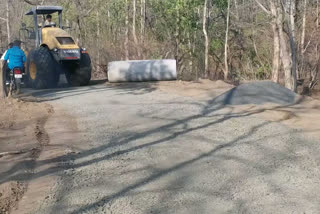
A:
(258, 93)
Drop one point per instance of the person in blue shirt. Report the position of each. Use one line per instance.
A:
(16, 56)
(9, 46)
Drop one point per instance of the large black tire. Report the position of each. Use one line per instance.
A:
(80, 75)
(41, 72)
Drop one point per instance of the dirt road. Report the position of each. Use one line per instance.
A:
(142, 148)
(22, 138)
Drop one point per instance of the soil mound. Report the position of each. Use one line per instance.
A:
(258, 93)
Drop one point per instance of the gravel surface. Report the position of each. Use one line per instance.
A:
(258, 93)
(148, 151)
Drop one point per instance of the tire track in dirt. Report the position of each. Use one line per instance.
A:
(41, 134)
(12, 191)
(59, 142)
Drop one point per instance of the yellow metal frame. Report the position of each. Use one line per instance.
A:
(32, 70)
(49, 35)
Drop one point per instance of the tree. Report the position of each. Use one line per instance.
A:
(142, 22)
(276, 37)
(134, 34)
(206, 38)
(7, 20)
(126, 43)
(226, 69)
(8, 24)
(276, 43)
(303, 35)
(219, 39)
(288, 54)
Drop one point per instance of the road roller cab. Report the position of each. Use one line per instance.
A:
(55, 52)
(61, 44)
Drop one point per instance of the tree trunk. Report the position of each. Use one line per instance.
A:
(2, 70)
(314, 72)
(276, 44)
(206, 42)
(226, 66)
(198, 23)
(8, 19)
(190, 53)
(318, 13)
(292, 15)
(177, 35)
(292, 37)
(126, 42)
(302, 42)
(79, 23)
(303, 27)
(237, 10)
(274, 10)
(285, 53)
(1, 40)
(134, 34)
(98, 42)
(142, 24)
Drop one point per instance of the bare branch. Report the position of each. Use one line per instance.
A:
(31, 3)
(3, 19)
(263, 7)
(88, 12)
(309, 42)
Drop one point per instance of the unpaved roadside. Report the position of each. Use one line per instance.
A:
(152, 148)
(303, 115)
(22, 137)
(168, 147)
(53, 162)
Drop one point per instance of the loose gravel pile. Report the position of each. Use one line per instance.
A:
(258, 93)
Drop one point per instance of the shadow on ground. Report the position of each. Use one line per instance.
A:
(253, 94)
(94, 87)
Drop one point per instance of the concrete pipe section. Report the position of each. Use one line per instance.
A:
(142, 70)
